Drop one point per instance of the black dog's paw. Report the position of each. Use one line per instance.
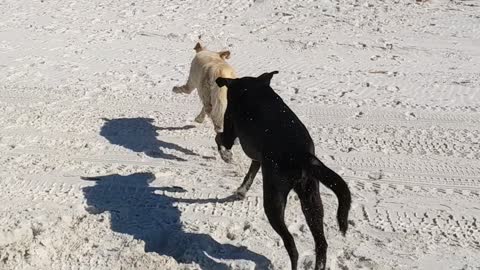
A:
(226, 155)
(240, 193)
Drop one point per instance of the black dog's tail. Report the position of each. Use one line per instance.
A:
(334, 182)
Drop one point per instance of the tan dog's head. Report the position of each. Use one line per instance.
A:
(223, 54)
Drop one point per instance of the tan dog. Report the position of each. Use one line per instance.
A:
(206, 67)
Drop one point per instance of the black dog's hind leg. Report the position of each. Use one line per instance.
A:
(274, 201)
(309, 195)
(248, 180)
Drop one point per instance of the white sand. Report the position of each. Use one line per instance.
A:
(390, 91)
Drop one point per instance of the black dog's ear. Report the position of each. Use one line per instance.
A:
(267, 77)
(223, 82)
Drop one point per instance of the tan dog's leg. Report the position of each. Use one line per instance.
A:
(204, 93)
(201, 116)
(187, 88)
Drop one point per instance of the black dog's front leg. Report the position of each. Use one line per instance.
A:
(248, 180)
(226, 139)
(224, 147)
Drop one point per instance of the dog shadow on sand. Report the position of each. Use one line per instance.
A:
(140, 135)
(144, 212)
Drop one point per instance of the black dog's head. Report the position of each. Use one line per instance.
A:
(244, 84)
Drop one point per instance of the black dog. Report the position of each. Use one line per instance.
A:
(275, 139)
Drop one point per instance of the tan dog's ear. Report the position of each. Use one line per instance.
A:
(199, 47)
(224, 54)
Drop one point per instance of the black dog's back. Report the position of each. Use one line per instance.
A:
(275, 139)
(264, 122)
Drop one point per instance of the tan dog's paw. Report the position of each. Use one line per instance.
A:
(218, 129)
(200, 119)
(177, 89)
